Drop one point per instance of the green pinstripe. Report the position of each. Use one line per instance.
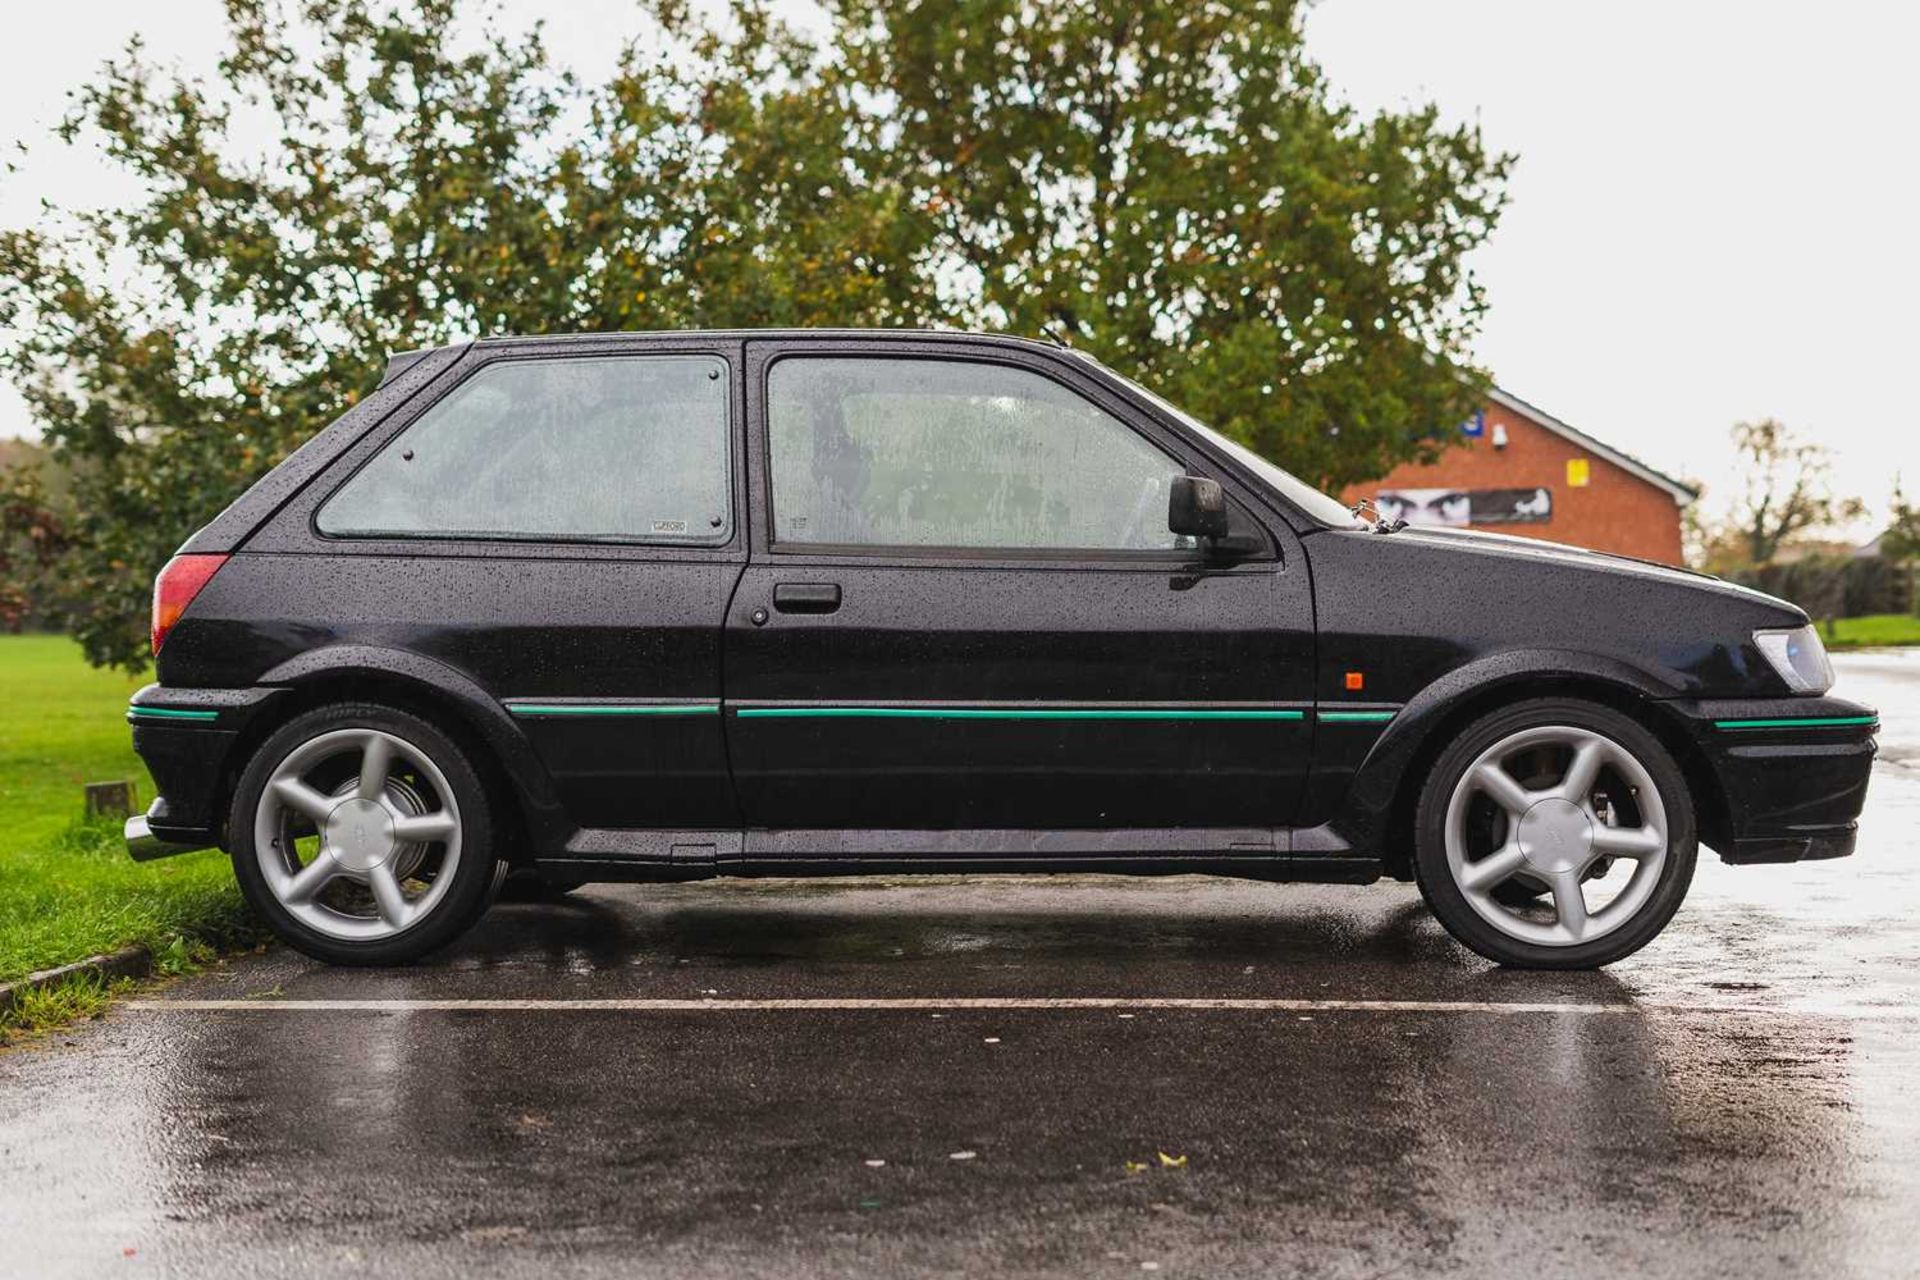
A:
(613, 709)
(1356, 717)
(1012, 713)
(169, 713)
(1800, 722)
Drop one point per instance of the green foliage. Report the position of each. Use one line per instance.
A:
(1875, 631)
(1172, 187)
(1901, 541)
(67, 888)
(1842, 586)
(34, 520)
(44, 1008)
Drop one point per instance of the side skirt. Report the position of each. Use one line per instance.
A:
(1250, 853)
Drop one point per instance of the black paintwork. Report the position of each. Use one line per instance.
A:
(499, 641)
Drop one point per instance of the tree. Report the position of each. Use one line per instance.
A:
(33, 541)
(1900, 543)
(1788, 490)
(1172, 187)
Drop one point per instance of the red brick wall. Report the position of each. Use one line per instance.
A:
(1616, 511)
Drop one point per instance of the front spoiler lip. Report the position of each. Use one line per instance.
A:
(144, 846)
(1810, 846)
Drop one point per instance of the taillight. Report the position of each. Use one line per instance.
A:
(175, 589)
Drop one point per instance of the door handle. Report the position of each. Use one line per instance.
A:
(806, 597)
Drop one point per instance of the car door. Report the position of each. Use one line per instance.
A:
(964, 608)
(560, 529)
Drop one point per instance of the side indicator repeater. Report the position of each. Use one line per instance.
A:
(1356, 681)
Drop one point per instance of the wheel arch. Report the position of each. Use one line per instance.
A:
(1386, 790)
(527, 812)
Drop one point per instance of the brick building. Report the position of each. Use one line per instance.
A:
(1522, 471)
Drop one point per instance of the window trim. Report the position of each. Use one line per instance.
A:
(501, 542)
(962, 556)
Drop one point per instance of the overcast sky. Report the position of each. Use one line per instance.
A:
(1713, 217)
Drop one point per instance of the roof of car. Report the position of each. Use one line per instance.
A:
(784, 331)
(399, 361)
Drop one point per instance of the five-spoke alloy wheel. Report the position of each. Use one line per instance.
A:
(362, 833)
(1555, 834)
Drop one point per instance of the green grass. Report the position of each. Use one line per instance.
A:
(1872, 631)
(83, 996)
(67, 887)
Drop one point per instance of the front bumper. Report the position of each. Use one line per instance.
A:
(1792, 772)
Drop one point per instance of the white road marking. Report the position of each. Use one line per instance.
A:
(909, 1004)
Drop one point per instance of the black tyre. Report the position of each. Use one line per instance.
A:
(1566, 796)
(362, 835)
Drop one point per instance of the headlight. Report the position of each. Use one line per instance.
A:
(1799, 657)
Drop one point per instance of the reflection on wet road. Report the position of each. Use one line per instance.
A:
(1736, 1098)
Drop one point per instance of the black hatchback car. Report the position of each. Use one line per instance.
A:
(658, 607)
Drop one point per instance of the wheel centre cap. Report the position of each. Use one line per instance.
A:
(359, 835)
(1555, 836)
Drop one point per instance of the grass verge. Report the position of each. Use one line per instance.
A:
(67, 888)
(1872, 631)
(50, 1007)
(87, 995)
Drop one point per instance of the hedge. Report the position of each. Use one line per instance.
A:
(1842, 586)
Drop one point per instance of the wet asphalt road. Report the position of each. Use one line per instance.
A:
(1742, 1097)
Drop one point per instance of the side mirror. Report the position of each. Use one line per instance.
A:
(1197, 508)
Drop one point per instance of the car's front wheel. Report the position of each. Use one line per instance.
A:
(361, 834)
(1555, 834)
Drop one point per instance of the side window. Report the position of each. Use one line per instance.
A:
(620, 448)
(942, 453)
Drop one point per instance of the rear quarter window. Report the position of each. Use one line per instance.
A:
(620, 448)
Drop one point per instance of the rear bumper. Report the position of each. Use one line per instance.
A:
(187, 739)
(1792, 771)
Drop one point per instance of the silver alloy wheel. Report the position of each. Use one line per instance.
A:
(1554, 835)
(376, 829)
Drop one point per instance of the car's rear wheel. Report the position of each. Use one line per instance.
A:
(362, 835)
(1555, 834)
(1519, 892)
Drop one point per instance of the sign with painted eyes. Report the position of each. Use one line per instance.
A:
(1458, 508)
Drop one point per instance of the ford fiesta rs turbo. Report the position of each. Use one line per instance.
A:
(658, 607)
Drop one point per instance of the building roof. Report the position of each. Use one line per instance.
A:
(1683, 494)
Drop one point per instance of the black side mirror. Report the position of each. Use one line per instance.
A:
(1197, 508)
